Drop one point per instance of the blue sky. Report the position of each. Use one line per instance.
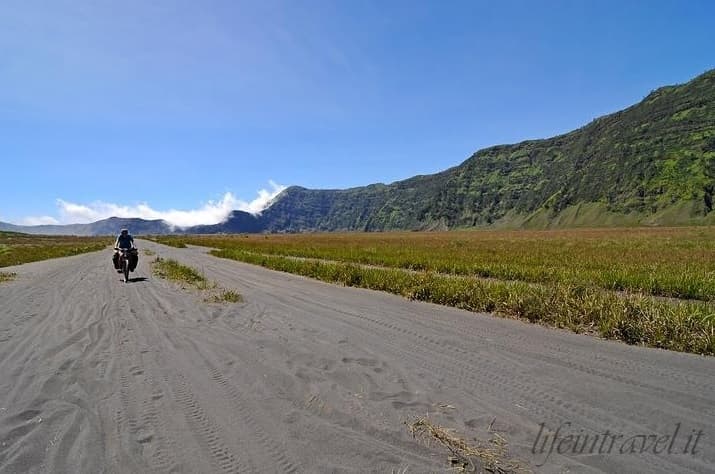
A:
(199, 105)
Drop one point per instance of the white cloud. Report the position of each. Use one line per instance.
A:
(213, 212)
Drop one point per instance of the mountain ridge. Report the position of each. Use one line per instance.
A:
(652, 163)
(626, 168)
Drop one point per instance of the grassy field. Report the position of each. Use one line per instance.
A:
(672, 262)
(16, 249)
(611, 282)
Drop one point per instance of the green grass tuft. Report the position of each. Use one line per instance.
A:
(224, 296)
(4, 276)
(170, 269)
(230, 296)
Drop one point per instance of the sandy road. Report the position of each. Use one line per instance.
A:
(99, 376)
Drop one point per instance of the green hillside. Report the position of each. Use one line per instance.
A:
(652, 163)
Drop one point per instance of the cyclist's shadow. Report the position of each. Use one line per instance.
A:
(136, 280)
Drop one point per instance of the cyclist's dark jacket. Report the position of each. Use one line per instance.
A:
(124, 241)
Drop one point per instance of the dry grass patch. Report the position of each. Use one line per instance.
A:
(465, 455)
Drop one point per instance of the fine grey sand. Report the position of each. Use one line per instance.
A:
(101, 376)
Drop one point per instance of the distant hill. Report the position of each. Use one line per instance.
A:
(650, 164)
(109, 226)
